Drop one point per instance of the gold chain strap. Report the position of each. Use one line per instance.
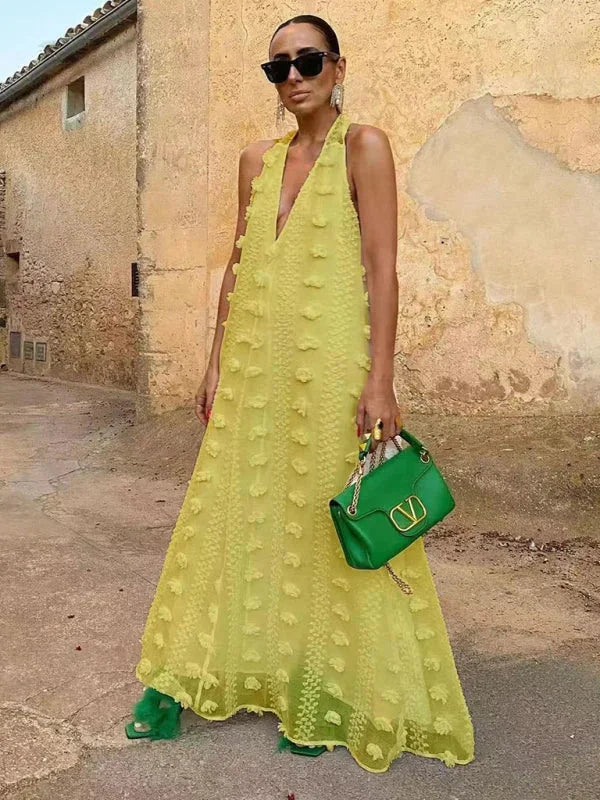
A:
(353, 505)
(402, 584)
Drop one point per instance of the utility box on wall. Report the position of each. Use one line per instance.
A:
(25, 354)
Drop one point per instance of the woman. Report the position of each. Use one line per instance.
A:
(256, 607)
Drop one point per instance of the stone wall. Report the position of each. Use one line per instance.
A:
(3, 309)
(493, 111)
(70, 219)
(172, 170)
(493, 114)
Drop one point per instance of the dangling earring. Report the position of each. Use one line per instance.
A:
(280, 116)
(337, 96)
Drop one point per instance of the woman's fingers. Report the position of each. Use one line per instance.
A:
(360, 420)
(390, 428)
(365, 422)
(369, 425)
(210, 399)
(199, 409)
(397, 424)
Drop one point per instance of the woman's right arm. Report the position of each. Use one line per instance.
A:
(250, 164)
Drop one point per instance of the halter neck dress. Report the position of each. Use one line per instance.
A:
(256, 607)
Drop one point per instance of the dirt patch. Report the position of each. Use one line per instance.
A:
(511, 595)
(517, 563)
(161, 447)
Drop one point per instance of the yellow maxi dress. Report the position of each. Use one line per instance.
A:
(256, 607)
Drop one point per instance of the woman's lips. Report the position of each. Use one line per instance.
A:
(298, 96)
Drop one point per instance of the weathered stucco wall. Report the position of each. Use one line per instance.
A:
(492, 109)
(173, 197)
(71, 211)
(531, 320)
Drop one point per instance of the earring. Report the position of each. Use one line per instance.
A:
(337, 96)
(280, 115)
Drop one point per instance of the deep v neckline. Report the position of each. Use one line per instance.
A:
(276, 238)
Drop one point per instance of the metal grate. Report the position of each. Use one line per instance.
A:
(15, 344)
(135, 279)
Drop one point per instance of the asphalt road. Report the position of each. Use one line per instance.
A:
(82, 538)
(537, 728)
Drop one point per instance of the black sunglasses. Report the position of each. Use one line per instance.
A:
(307, 64)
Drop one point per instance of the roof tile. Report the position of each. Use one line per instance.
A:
(61, 41)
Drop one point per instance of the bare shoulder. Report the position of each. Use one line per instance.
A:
(251, 155)
(368, 140)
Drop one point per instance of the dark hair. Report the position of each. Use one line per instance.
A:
(324, 27)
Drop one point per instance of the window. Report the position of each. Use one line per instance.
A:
(13, 260)
(76, 97)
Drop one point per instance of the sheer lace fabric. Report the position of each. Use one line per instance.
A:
(256, 607)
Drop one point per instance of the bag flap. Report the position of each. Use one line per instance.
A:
(386, 485)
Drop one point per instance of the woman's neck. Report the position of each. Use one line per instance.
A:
(313, 128)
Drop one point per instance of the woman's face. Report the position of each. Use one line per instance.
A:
(291, 41)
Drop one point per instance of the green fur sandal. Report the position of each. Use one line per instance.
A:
(299, 749)
(155, 716)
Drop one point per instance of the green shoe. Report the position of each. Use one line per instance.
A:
(155, 716)
(138, 730)
(300, 749)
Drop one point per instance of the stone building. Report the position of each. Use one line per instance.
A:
(68, 204)
(493, 114)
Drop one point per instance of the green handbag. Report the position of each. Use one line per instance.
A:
(389, 507)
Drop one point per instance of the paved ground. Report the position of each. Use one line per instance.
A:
(87, 504)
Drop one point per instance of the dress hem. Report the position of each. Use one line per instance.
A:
(329, 743)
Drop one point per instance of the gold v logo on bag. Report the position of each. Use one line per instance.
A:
(369, 540)
(413, 510)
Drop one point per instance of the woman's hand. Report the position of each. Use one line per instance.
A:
(205, 394)
(378, 400)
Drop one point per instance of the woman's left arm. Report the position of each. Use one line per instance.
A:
(374, 176)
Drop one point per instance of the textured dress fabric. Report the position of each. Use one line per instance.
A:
(256, 607)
